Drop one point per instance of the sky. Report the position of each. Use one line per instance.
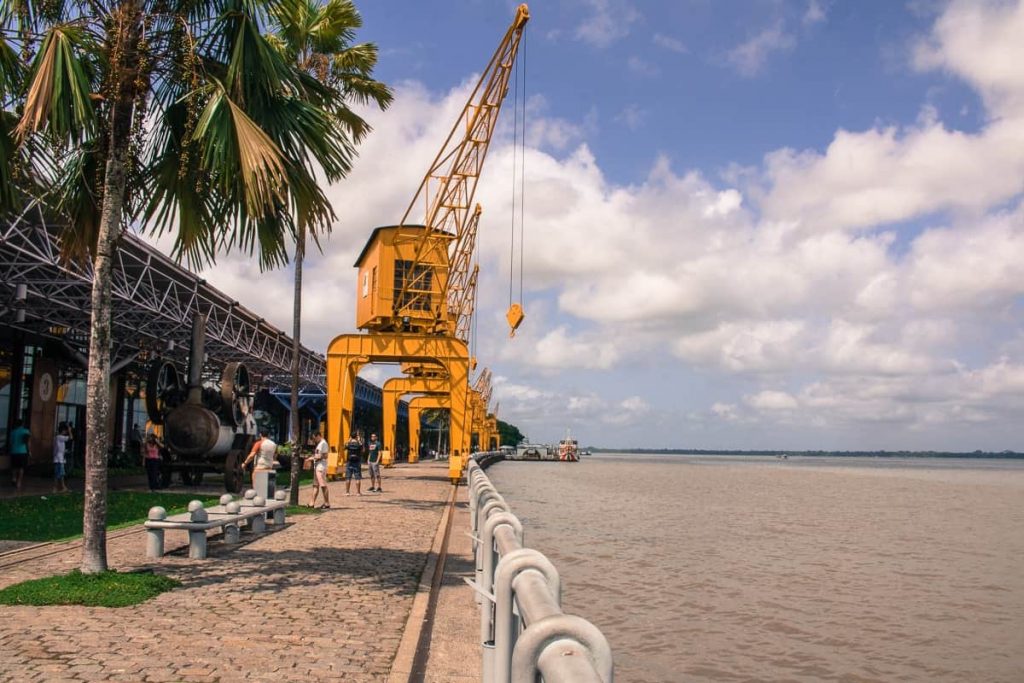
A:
(758, 224)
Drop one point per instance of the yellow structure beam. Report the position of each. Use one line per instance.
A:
(416, 408)
(348, 353)
(397, 387)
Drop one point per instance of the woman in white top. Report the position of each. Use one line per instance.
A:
(320, 471)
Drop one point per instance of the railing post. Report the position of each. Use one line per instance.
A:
(506, 622)
(556, 638)
(487, 584)
(556, 646)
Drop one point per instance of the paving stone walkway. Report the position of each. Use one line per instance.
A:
(326, 598)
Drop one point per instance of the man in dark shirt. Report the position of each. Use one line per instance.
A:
(373, 464)
(353, 465)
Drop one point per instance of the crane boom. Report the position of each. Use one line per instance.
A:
(462, 278)
(447, 190)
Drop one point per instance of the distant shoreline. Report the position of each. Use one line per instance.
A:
(1007, 455)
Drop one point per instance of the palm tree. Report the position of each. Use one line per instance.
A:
(317, 38)
(171, 115)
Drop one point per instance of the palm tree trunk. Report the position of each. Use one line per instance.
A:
(300, 252)
(97, 435)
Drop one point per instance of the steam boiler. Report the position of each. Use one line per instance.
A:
(207, 426)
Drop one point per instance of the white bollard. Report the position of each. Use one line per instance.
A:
(197, 537)
(231, 531)
(279, 512)
(259, 522)
(155, 537)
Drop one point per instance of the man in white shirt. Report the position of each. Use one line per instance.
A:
(264, 452)
(320, 471)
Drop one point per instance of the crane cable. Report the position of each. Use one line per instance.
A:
(515, 170)
(518, 174)
(522, 184)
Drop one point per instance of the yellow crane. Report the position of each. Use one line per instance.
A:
(410, 291)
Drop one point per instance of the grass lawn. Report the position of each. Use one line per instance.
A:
(59, 516)
(108, 589)
(284, 477)
(300, 510)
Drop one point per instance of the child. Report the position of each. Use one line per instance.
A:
(151, 461)
(60, 447)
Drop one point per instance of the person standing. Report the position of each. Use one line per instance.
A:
(19, 452)
(151, 460)
(320, 471)
(60, 449)
(353, 465)
(373, 463)
(135, 440)
(264, 452)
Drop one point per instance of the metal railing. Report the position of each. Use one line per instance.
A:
(523, 631)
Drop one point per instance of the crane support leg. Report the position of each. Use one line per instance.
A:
(397, 387)
(416, 408)
(349, 352)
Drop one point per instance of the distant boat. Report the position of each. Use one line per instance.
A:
(568, 449)
(586, 451)
(531, 451)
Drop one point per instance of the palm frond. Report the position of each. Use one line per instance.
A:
(58, 97)
(357, 59)
(335, 26)
(11, 71)
(180, 198)
(79, 200)
(240, 154)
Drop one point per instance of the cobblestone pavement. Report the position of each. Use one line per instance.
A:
(455, 641)
(326, 598)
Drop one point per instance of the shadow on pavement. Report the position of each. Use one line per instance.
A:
(393, 570)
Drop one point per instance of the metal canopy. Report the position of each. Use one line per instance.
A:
(154, 300)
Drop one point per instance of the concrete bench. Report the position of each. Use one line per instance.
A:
(230, 516)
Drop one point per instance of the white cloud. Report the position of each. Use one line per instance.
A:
(968, 267)
(608, 22)
(891, 174)
(771, 401)
(641, 67)
(744, 347)
(887, 175)
(814, 14)
(725, 411)
(787, 286)
(669, 43)
(632, 116)
(982, 43)
(748, 58)
(559, 349)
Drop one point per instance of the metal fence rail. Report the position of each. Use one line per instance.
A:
(523, 631)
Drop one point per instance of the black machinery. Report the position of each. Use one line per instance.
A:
(207, 426)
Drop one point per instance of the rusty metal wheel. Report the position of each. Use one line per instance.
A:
(234, 473)
(163, 390)
(235, 393)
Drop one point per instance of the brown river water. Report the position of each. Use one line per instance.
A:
(807, 569)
